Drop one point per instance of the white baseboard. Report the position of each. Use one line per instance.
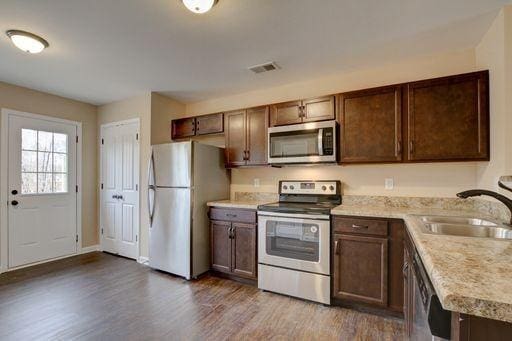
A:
(88, 249)
(143, 260)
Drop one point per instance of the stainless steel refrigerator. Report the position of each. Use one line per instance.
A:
(183, 177)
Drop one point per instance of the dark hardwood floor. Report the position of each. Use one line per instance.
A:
(102, 297)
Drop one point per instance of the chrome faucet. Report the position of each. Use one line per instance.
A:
(477, 192)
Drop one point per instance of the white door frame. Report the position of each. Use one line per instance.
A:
(4, 186)
(100, 179)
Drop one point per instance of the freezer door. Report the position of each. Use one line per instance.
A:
(172, 164)
(169, 234)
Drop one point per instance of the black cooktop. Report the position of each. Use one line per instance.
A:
(300, 208)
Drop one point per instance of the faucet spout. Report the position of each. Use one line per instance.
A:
(477, 192)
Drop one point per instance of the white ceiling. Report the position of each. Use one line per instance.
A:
(106, 50)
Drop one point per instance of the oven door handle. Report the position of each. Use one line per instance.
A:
(320, 141)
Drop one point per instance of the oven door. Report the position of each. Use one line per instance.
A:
(302, 143)
(294, 243)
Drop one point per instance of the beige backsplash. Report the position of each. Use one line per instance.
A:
(492, 208)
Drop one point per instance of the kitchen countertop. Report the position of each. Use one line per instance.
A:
(470, 275)
(244, 204)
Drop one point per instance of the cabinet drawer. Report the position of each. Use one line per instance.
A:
(243, 216)
(360, 226)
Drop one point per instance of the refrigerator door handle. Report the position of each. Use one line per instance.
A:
(151, 189)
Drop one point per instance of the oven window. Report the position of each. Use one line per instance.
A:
(295, 143)
(292, 240)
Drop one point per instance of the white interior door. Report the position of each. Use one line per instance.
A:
(119, 211)
(42, 212)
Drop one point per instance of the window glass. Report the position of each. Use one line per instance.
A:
(44, 162)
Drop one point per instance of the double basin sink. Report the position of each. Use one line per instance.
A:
(465, 227)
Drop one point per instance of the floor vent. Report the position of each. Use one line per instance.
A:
(264, 67)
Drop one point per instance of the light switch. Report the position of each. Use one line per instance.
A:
(389, 183)
(256, 182)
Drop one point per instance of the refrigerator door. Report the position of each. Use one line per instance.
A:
(172, 164)
(169, 234)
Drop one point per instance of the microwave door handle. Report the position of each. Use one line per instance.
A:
(320, 141)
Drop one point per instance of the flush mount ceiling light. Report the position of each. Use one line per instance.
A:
(27, 41)
(199, 6)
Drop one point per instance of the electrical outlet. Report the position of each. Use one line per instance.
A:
(389, 183)
(256, 182)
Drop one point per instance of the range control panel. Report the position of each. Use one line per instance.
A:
(309, 187)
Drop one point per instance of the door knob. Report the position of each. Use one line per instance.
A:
(14, 203)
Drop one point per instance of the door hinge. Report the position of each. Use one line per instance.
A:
(102, 141)
(137, 136)
(77, 238)
(76, 188)
(77, 139)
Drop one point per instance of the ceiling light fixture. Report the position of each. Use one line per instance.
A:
(199, 6)
(27, 41)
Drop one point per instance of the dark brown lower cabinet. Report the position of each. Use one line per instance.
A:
(243, 250)
(221, 245)
(473, 328)
(368, 259)
(234, 243)
(361, 269)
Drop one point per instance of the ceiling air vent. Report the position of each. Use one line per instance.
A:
(264, 67)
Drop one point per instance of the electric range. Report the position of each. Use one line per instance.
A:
(294, 240)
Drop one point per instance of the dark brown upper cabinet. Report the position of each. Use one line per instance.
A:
(209, 124)
(448, 118)
(371, 125)
(200, 125)
(246, 137)
(309, 110)
(183, 127)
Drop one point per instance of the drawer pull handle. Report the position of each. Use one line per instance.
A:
(336, 247)
(231, 215)
(354, 226)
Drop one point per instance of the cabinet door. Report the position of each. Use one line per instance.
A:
(286, 113)
(220, 245)
(361, 269)
(184, 127)
(318, 109)
(371, 125)
(209, 124)
(257, 139)
(235, 133)
(448, 118)
(243, 252)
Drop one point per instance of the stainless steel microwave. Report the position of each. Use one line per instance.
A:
(313, 142)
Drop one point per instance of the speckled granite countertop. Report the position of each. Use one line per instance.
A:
(244, 204)
(470, 275)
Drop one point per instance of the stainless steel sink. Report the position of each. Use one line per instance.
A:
(471, 230)
(457, 220)
(465, 227)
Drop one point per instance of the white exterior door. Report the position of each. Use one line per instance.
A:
(119, 211)
(42, 197)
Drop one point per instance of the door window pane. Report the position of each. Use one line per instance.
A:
(60, 163)
(29, 183)
(60, 184)
(44, 141)
(28, 139)
(28, 161)
(44, 183)
(44, 162)
(60, 143)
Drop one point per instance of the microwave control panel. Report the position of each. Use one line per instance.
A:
(328, 141)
